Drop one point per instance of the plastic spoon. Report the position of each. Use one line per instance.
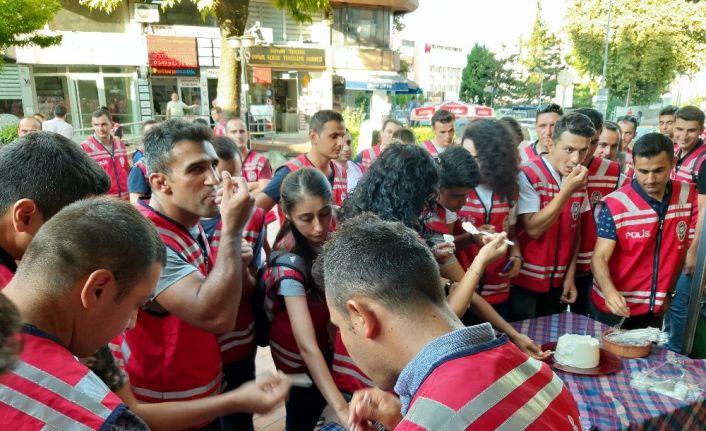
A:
(468, 227)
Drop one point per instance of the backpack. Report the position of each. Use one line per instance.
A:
(258, 297)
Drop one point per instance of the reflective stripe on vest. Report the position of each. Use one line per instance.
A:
(527, 151)
(199, 392)
(253, 165)
(687, 168)
(368, 156)
(547, 257)
(50, 386)
(494, 289)
(339, 188)
(115, 164)
(432, 415)
(431, 148)
(603, 178)
(638, 230)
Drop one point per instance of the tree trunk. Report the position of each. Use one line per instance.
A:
(232, 16)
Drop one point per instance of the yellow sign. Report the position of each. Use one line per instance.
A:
(288, 57)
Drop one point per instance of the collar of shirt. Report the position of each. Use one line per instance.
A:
(28, 328)
(455, 344)
(659, 207)
(7, 261)
(558, 178)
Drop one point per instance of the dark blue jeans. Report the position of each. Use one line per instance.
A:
(675, 319)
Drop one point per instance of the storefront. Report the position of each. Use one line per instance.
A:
(83, 73)
(287, 86)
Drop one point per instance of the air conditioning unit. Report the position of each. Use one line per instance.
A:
(146, 13)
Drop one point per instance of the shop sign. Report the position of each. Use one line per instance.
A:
(172, 56)
(262, 75)
(288, 57)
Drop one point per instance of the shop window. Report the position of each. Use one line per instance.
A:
(119, 98)
(52, 91)
(363, 27)
(48, 69)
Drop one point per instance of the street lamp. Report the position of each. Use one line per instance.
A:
(241, 46)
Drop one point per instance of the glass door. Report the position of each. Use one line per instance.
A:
(89, 97)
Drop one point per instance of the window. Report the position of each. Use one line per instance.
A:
(363, 27)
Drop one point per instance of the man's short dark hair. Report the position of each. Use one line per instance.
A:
(614, 127)
(91, 234)
(202, 121)
(595, 116)
(102, 111)
(388, 121)
(458, 169)
(225, 148)
(550, 108)
(59, 111)
(322, 117)
(381, 260)
(49, 169)
(652, 144)
(405, 135)
(161, 140)
(690, 113)
(442, 116)
(628, 119)
(669, 110)
(576, 124)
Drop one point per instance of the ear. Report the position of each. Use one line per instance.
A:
(159, 182)
(98, 287)
(363, 317)
(26, 217)
(313, 137)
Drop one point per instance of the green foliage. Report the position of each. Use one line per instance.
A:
(8, 133)
(651, 42)
(485, 71)
(583, 96)
(541, 58)
(423, 133)
(353, 118)
(302, 10)
(22, 18)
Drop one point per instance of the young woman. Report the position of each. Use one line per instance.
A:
(299, 338)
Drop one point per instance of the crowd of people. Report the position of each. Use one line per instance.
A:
(156, 270)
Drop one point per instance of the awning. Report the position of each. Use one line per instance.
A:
(378, 80)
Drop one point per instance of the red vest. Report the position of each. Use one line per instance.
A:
(50, 389)
(340, 182)
(116, 165)
(256, 167)
(436, 220)
(368, 156)
(548, 257)
(507, 388)
(431, 148)
(143, 168)
(168, 359)
(239, 343)
(687, 168)
(527, 151)
(603, 178)
(495, 289)
(219, 129)
(649, 249)
(283, 345)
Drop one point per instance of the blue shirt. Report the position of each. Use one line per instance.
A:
(272, 188)
(606, 223)
(137, 183)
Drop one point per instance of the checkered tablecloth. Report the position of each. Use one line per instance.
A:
(609, 402)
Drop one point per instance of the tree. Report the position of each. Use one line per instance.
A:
(651, 42)
(231, 16)
(540, 55)
(479, 74)
(486, 78)
(22, 18)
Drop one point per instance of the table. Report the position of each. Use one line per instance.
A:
(609, 402)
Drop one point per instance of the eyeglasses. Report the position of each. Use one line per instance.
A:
(550, 108)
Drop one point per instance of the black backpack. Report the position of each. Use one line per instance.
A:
(262, 321)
